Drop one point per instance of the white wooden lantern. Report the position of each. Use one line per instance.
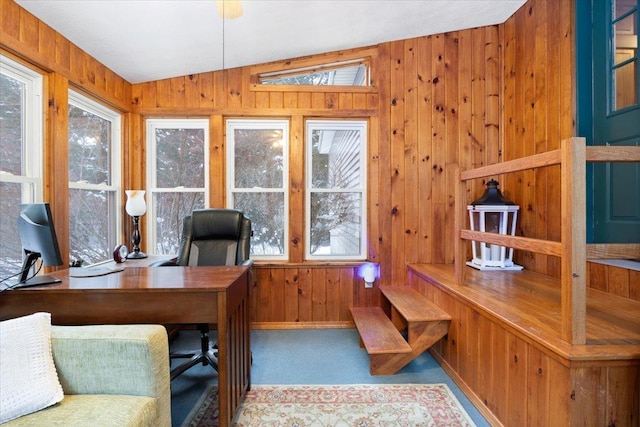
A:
(492, 213)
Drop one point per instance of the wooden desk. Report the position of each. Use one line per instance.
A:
(215, 295)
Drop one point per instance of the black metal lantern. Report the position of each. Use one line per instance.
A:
(493, 213)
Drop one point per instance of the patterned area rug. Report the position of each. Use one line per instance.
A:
(346, 405)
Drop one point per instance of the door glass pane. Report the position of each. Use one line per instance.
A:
(171, 208)
(259, 158)
(626, 85)
(622, 6)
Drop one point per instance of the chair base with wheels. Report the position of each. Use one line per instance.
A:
(208, 354)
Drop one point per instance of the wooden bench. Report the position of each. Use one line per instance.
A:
(402, 309)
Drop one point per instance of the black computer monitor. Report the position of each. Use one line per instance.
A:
(38, 238)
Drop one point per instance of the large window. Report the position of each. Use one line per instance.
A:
(21, 159)
(336, 189)
(257, 177)
(94, 180)
(177, 178)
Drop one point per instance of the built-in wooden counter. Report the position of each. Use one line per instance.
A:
(505, 349)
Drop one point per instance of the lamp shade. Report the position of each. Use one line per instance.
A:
(136, 205)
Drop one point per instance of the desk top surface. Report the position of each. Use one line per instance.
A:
(145, 278)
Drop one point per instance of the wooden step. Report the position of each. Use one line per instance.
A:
(377, 333)
(412, 305)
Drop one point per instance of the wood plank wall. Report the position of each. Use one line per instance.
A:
(538, 112)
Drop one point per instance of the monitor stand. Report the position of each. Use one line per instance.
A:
(37, 281)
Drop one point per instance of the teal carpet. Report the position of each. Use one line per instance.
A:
(318, 356)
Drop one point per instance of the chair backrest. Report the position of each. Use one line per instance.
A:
(215, 237)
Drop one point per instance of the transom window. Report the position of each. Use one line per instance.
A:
(346, 73)
(95, 218)
(178, 175)
(21, 159)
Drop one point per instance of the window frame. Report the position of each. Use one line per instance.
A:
(32, 152)
(152, 188)
(333, 124)
(31, 174)
(82, 101)
(259, 123)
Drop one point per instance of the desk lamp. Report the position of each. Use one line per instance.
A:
(136, 207)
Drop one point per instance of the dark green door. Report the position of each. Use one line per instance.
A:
(615, 198)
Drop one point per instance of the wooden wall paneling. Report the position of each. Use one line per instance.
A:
(62, 55)
(499, 371)
(484, 372)
(47, 41)
(297, 189)
(622, 406)
(538, 388)
(192, 90)
(412, 198)
(588, 404)
(290, 100)
(331, 101)
(205, 87)
(424, 88)
(349, 280)
(345, 101)
(559, 394)
(304, 100)
(383, 145)
(493, 64)
(234, 88)
(276, 295)
(552, 203)
(452, 138)
(618, 281)
(28, 29)
(318, 295)
(217, 164)
(540, 110)
(56, 158)
(262, 100)
(634, 285)
(397, 178)
(517, 382)
(318, 100)
(220, 85)
(163, 93)
(598, 278)
(305, 289)
(276, 100)
(332, 294)
(438, 152)
(260, 295)
(290, 299)
(467, 345)
(10, 19)
(248, 96)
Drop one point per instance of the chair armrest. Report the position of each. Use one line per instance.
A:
(114, 359)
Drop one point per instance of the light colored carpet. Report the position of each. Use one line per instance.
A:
(364, 405)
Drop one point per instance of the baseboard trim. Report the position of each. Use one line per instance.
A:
(303, 325)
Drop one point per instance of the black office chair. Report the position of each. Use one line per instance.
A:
(210, 237)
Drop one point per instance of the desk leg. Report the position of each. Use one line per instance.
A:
(234, 349)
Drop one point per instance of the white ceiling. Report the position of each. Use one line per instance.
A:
(145, 40)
